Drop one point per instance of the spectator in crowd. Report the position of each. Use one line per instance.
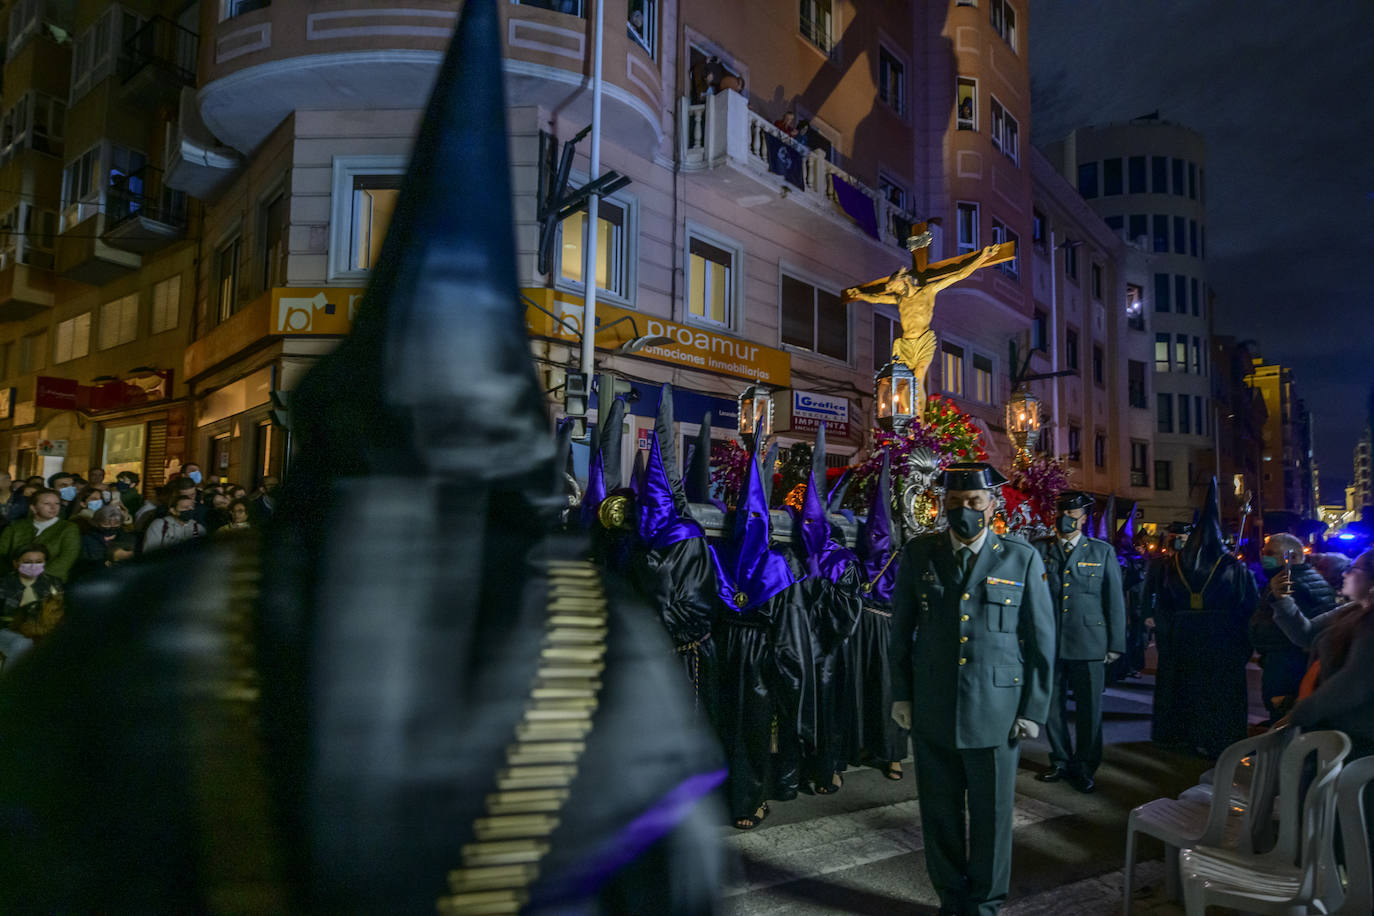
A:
(217, 513)
(787, 123)
(96, 477)
(126, 485)
(191, 470)
(263, 502)
(65, 486)
(177, 527)
(1331, 566)
(107, 524)
(36, 481)
(635, 28)
(236, 492)
(238, 516)
(1282, 662)
(13, 505)
(60, 538)
(189, 486)
(27, 593)
(87, 503)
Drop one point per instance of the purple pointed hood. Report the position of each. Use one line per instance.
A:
(748, 571)
(878, 542)
(606, 442)
(1104, 521)
(663, 514)
(811, 527)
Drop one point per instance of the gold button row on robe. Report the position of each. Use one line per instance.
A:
(513, 834)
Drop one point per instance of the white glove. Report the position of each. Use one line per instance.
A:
(1111, 657)
(901, 714)
(1024, 728)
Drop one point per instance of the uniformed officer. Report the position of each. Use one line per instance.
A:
(972, 657)
(1085, 581)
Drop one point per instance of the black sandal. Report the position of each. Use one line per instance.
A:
(749, 823)
(894, 770)
(832, 788)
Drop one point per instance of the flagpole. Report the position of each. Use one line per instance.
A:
(594, 172)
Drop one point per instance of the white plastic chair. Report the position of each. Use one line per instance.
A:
(1295, 877)
(1182, 822)
(1350, 811)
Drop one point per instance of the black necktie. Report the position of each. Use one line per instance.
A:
(966, 558)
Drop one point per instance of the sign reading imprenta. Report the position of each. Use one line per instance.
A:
(694, 347)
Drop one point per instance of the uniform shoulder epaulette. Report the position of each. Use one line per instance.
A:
(1016, 541)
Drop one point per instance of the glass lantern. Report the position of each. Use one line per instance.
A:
(755, 405)
(1023, 423)
(895, 391)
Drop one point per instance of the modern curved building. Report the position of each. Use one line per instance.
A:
(1147, 180)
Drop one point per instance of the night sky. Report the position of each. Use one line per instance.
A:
(1284, 94)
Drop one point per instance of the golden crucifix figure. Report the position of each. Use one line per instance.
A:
(912, 290)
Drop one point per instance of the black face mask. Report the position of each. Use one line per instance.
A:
(966, 522)
(1066, 525)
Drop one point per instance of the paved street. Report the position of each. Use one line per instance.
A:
(861, 851)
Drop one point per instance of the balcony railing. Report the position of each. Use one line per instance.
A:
(142, 193)
(164, 47)
(714, 132)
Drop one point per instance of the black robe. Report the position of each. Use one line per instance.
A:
(1201, 694)
(874, 739)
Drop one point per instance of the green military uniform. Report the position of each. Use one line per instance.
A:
(1085, 581)
(973, 651)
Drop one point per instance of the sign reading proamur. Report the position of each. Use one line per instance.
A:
(696, 348)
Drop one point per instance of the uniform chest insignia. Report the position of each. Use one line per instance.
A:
(993, 580)
(1089, 564)
(928, 576)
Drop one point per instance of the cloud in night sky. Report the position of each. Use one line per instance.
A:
(1284, 94)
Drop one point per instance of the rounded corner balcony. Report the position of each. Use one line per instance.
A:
(267, 60)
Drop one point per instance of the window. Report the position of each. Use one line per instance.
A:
(953, 374)
(1099, 451)
(813, 319)
(1159, 174)
(1071, 348)
(1181, 353)
(364, 191)
(1099, 367)
(642, 25)
(1117, 224)
(73, 338)
(1192, 237)
(1135, 383)
(1040, 330)
(1005, 132)
(1087, 180)
(612, 255)
(1135, 307)
(231, 8)
(1178, 177)
(966, 117)
(1000, 234)
(1192, 180)
(1038, 235)
(1185, 414)
(1138, 228)
(96, 51)
(166, 305)
(272, 250)
(1097, 281)
(891, 81)
(1071, 262)
(968, 228)
(1135, 175)
(25, 18)
(81, 187)
(1164, 475)
(1163, 362)
(35, 121)
(1193, 294)
(1180, 293)
(1140, 458)
(982, 379)
(1161, 292)
(817, 23)
(1161, 233)
(886, 329)
(33, 353)
(1180, 235)
(374, 200)
(1198, 414)
(227, 278)
(1197, 356)
(1111, 177)
(118, 321)
(896, 195)
(1075, 444)
(1003, 17)
(710, 282)
(1164, 410)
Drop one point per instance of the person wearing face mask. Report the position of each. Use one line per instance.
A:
(126, 489)
(1281, 662)
(64, 485)
(191, 471)
(178, 527)
(1091, 624)
(972, 653)
(61, 538)
(107, 523)
(28, 595)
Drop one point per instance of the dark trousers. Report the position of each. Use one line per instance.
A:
(972, 878)
(1086, 679)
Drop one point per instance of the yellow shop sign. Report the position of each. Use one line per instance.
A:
(313, 309)
(693, 347)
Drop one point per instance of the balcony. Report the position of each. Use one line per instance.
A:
(193, 160)
(142, 214)
(84, 256)
(157, 61)
(727, 144)
(266, 63)
(25, 290)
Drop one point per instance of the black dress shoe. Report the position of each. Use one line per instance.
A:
(1082, 783)
(1054, 775)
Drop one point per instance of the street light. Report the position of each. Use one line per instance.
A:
(895, 393)
(755, 405)
(1023, 423)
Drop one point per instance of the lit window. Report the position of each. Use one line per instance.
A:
(1162, 360)
(374, 200)
(227, 278)
(967, 101)
(612, 265)
(982, 379)
(968, 228)
(953, 375)
(710, 282)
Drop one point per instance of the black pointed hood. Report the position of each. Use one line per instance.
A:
(698, 481)
(768, 470)
(1206, 544)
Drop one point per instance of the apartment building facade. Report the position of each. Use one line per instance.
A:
(1286, 478)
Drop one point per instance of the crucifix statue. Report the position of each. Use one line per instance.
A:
(912, 290)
